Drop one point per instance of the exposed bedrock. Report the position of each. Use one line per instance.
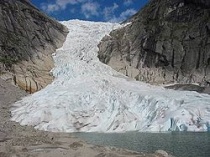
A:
(28, 39)
(168, 41)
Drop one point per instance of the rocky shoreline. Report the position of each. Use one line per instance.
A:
(25, 141)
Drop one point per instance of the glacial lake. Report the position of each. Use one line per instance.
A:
(179, 144)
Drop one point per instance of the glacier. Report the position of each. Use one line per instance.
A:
(89, 96)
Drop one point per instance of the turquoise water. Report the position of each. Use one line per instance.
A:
(179, 144)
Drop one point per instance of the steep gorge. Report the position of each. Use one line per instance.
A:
(168, 41)
(28, 39)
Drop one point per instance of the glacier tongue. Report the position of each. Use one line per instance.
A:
(88, 96)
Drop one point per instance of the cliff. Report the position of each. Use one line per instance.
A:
(168, 41)
(28, 39)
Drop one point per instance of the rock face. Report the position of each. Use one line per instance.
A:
(28, 39)
(168, 41)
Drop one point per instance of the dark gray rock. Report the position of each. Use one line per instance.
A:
(167, 41)
(187, 87)
(27, 40)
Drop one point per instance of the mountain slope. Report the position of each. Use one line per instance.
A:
(28, 39)
(87, 95)
(166, 42)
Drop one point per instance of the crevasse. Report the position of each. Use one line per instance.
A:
(89, 96)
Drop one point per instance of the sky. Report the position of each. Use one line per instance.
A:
(91, 10)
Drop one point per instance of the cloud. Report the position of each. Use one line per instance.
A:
(64, 3)
(109, 12)
(59, 5)
(90, 9)
(127, 13)
(128, 2)
(50, 7)
(123, 16)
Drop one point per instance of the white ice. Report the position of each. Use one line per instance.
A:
(89, 96)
